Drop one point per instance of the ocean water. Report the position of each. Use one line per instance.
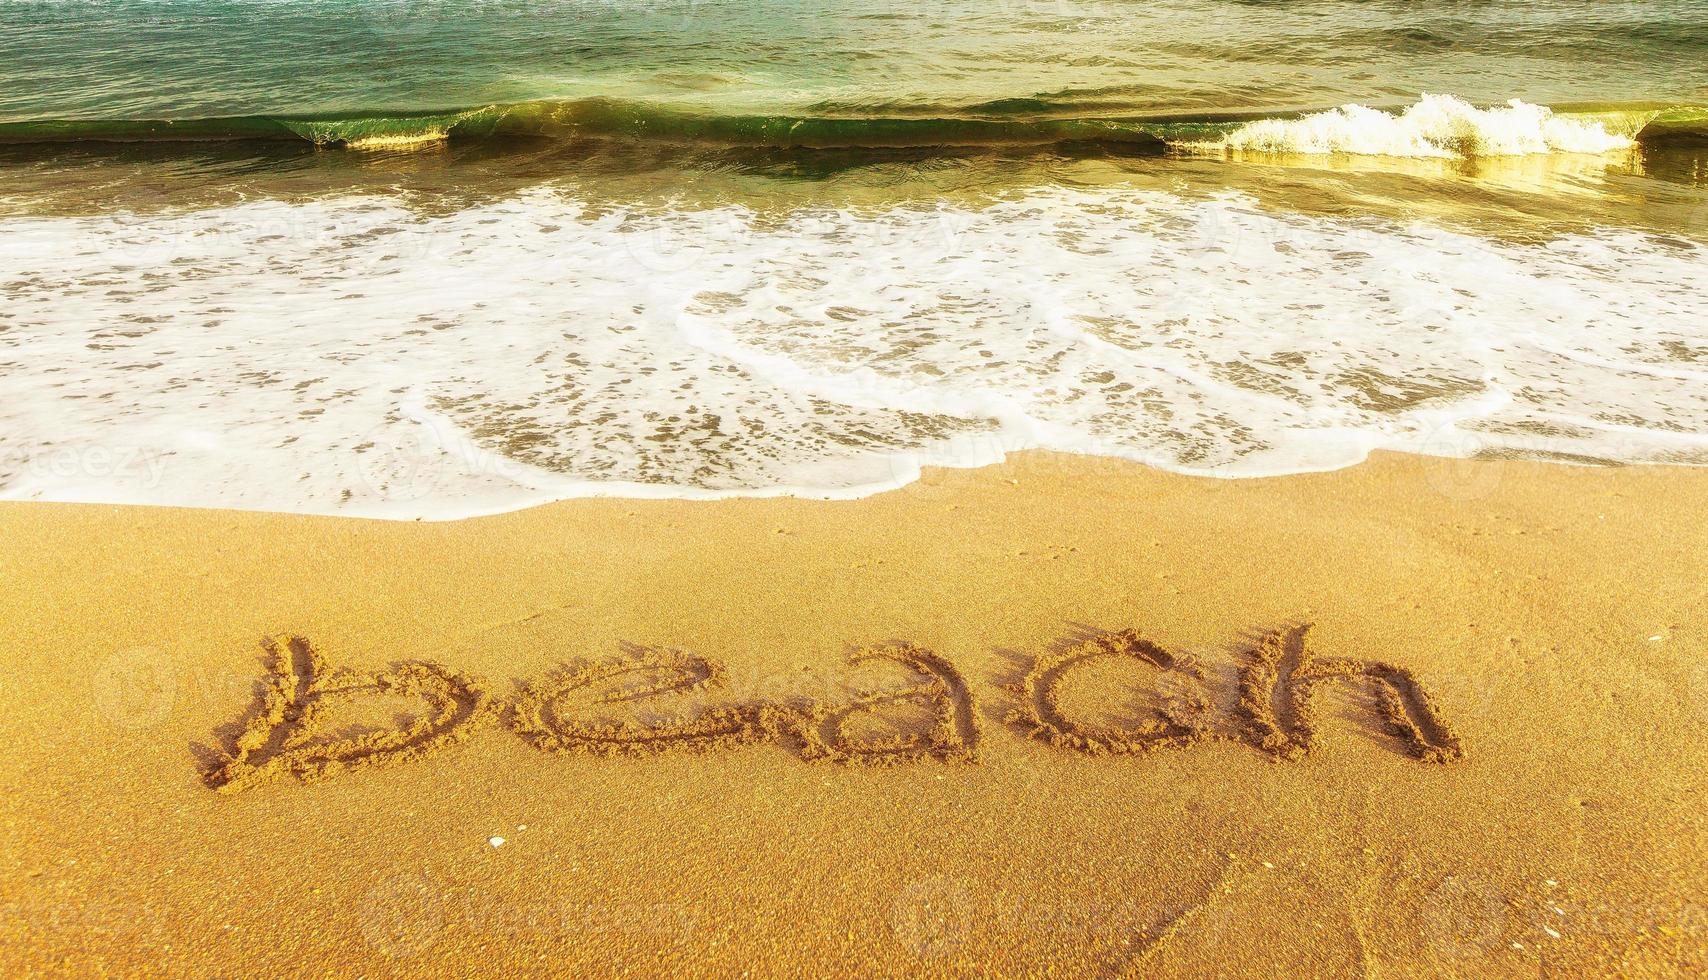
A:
(434, 258)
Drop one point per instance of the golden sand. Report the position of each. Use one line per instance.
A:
(1417, 717)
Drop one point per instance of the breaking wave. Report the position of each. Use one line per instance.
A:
(1435, 126)
(1441, 126)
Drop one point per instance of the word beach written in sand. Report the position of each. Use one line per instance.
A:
(580, 709)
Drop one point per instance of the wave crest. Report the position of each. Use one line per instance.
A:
(1440, 126)
(1435, 126)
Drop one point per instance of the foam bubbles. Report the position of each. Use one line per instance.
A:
(1434, 126)
(352, 356)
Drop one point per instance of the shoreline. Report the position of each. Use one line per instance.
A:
(1555, 618)
(1442, 474)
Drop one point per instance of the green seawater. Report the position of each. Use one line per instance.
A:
(132, 102)
(254, 68)
(137, 59)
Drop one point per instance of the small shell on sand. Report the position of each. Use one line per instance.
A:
(495, 841)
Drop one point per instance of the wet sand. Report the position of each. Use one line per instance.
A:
(1484, 756)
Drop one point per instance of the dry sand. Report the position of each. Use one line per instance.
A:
(1539, 806)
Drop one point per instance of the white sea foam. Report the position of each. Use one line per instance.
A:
(1434, 126)
(354, 357)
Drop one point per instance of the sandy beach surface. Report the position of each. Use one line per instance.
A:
(1485, 757)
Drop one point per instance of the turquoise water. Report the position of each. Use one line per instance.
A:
(117, 60)
(174, 58)
(435, 258)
